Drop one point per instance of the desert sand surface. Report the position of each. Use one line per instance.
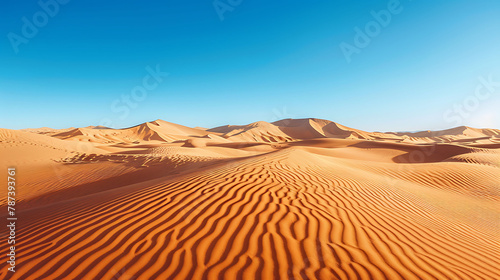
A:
(293, 199)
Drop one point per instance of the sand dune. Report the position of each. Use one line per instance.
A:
(157, 130)
(293, 199)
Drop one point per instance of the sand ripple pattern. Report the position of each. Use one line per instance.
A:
(265, 217)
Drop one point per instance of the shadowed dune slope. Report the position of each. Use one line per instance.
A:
(293, 199)
(158, 130)
(287, 130)
(287, 214)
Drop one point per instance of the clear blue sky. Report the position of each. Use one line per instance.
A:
(259, 60)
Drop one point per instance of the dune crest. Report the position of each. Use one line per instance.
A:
(292, 199)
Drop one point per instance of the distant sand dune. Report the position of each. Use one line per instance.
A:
(238, 205)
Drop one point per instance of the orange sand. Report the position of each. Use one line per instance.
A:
(294, 199)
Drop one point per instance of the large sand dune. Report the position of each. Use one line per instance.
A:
(293, 199)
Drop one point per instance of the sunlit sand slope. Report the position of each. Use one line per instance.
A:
(291, 213)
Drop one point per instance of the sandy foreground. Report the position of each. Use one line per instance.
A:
(293, 199)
